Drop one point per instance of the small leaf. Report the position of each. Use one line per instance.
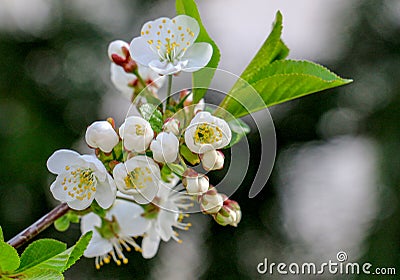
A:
(166, 173)
(176, 168)
(62, 224)
(203, 77)
(151, 114)
(78, 249)
(97, 209)
(9, 259)
(40, 251)
(73, 217)
(239, 129)
(192, 158)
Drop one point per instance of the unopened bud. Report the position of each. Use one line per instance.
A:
(101, 135)
(212, 160)
(211, 202)
(229, 214)
(171, 125)
(199, 106)
(195, 183)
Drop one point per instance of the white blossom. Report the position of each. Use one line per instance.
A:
(165, 147)
(139, 177)
(171, 125)
(113, 234)
(167, 46)
(195, 183)
(136, 134)
(211, 202)
(206, 133)
(101, 135)
(80, 179)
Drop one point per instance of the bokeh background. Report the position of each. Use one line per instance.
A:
(336, 182)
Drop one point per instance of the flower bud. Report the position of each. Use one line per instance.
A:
(212, 160)
(136, 133)
(195, 183)
(229, 214)
(211, 202)
(101, 135)
(199, 106)
(171, 125)
(165, 147)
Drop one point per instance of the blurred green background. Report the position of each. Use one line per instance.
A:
(335, 185)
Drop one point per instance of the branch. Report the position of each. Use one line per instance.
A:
(40, 225)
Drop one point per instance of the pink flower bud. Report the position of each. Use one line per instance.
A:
(195, 183)
(211, 202)
(229, 214)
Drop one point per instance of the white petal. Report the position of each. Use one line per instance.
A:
(188, 22)
(89, 222)
(60, 159)
(98, 246)
(106, 192)
(145, 195)
(141, 52)
(97, 166)
(150, 247)
(115, 47)
(198, 56)
(128, 215)
(80, 204)
(58, 190)
(166, 219)
(122, 80)
(166, 68)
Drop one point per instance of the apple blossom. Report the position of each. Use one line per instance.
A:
(80, 179)
(136, 134)
(113, 233)
(171, 125)
(165, 147)
(229, 214)
(207, 133)
(101, 135)
(139, 177)
(167, 46)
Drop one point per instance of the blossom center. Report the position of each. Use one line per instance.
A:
(207, 134)
(79, 183)
(138, 178)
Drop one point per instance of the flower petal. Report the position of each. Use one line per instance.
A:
(122, 80)
(141, 52)
(58, 191)
(198, 56)
(106, 192)
(80, 204)
(60, 159)
(97, 246)
(150, 245)
(146, 195)
(89, 222)
(115, 47)
(167, 68)
(187, 23)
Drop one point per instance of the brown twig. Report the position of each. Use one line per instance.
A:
(40, 225)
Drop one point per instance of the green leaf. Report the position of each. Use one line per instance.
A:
(41, 252)
(151, 114)
(73, 217)
(176, 168)
(97, 209)
(239, 129)
(272, 49)
(9, 259)
(188, 155)
(62, 224)
(1, 235)
(203, 77)
(78, 249)
(38, 274)
(279, 82)
(166, 173)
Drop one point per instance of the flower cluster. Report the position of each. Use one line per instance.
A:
(130, 187)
